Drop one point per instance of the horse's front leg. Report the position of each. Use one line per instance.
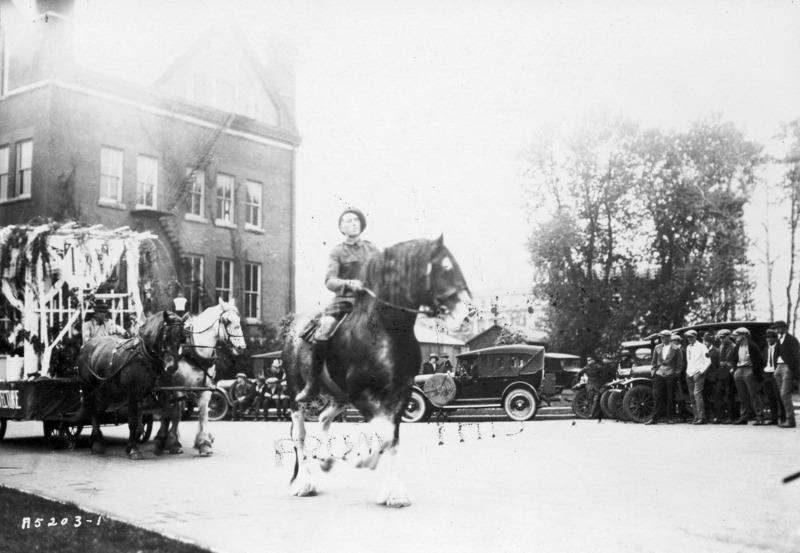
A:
(386, 431)
(203, 439)
(160, 441)
(331, 411)
(302, 484)
(98, 446)
(174, 436)
(132, 449)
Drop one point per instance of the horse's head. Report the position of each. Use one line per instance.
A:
(447, 287)
(231, 327)
(162, 335)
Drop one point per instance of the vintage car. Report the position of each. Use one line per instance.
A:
(630, 396)
(566, 368)
(510, 377)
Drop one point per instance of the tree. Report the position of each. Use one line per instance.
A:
(634, 231)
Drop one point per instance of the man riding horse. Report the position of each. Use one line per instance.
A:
(344, 266)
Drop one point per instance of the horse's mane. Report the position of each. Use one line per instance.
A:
(396, 274)
(151, 328)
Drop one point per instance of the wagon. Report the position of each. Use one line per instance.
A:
(49, 278)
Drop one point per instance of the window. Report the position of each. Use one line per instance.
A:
(146, 181)
(224, 282)
(252, 290)
(21, 186)
(254, 193)
(196, 192)
(4, 192)
(225, 198)
(193, 290)
(111, 174)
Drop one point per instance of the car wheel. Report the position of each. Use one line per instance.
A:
(218, 406)
(581, 404)
(604, 406)
(417, 408)
(520, 405)
(615, 404)
(639, 403)
(315, 407)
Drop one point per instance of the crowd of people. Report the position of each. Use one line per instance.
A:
(254, 399)
(726, 375)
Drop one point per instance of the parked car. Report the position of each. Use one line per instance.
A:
(511, 377)
(630, 395)
(566, 368)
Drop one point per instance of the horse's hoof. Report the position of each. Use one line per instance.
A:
(205, 450)
(176, 450)
(135, 455)
(305, 491)
(158, 447)
(397, 502)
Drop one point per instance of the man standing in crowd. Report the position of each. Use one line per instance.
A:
(595, 375)
(667, 363)
(697, 363)
(712, 377)
(771, 389)
(444, 367)
(787, 369)
(725, 394)
(429, 366)
(749, 363)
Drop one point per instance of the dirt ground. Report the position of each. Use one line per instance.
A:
(557, 485)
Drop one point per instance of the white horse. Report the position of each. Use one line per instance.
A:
(196, 369)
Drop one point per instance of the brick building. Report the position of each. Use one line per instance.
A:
(204, 157)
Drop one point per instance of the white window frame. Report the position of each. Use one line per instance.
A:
(220, 288)
(225, 199)
(252, 290)
(253, 206)
(195, 208)
(5, 172)
(23, 186)
(193, 289)
(146, 181)
(111, 169)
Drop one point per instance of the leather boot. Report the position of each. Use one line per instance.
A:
(318, 355)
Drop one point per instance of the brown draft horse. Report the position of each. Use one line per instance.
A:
(375, 355)
(114, 370)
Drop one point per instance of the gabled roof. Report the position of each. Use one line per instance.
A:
(531, 336)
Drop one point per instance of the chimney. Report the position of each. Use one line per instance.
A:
(38, 45)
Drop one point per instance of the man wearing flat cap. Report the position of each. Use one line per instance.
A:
(725, 391)
(770, 386)
(748, 372)
(697, 363)
(344, 279)
(429, 366)
(667, 363)
(242, 396)
(787, 369)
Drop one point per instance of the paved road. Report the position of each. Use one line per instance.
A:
(545, 485)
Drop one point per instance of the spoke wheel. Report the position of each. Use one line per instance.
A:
(604, 405)
(416, 409)
(520, 405)
(581, 404)
(615, 404)
(314, 407)
(218, 406)
(639, 403)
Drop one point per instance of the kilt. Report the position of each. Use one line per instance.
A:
(339, 307)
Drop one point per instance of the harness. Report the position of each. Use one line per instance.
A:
(191, 354)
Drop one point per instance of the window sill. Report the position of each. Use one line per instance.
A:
(17, 199)
(252, 228)
(195, 218)
(224, 223)
(252, 320)
(113, 204)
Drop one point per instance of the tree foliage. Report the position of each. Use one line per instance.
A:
(635, 230)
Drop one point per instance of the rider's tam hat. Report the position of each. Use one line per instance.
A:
(358, 213)
(241, 375)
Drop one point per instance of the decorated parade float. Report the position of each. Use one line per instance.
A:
(51, 277)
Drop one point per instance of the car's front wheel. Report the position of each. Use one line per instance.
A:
(639, 403)
(581, 404)
(605, 407)
(218, 406)
(417, 409)
(615, 405)
(520, 405)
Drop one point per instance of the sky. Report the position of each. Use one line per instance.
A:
(417, 112)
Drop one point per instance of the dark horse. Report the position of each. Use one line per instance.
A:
(374, 354)
(114, 370)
